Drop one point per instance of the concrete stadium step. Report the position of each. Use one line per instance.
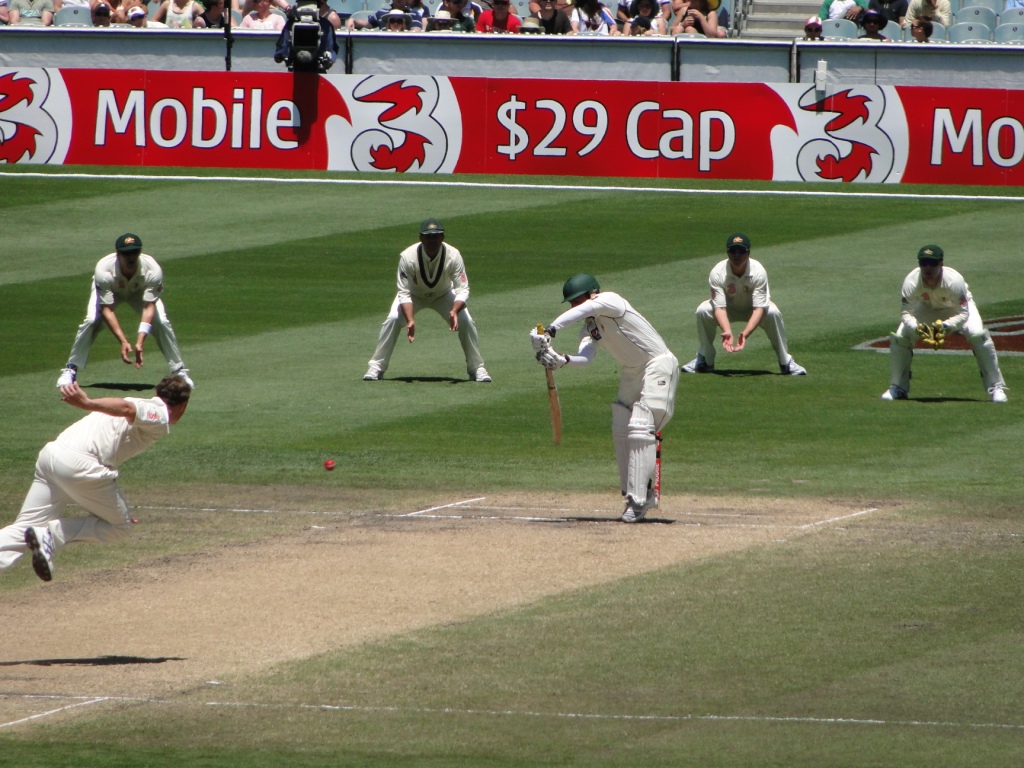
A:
(778, 19)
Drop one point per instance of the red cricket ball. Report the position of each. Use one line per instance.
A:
(329, 465)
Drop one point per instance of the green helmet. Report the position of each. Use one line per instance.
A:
(578, 285)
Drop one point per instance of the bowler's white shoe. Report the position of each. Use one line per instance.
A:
(373, 373)
(40, 542)
(481, 375)
(792, 368)
(182, 373)
(67, 377)
(894, 393)
(997, 393)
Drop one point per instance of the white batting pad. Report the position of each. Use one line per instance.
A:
(642, 453)
(620, 434)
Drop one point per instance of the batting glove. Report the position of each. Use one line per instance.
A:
(540, 341)
(551, 359)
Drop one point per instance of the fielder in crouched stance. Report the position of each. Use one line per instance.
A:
(431, 274)
(936, 301)
(647, 388)
(80, 466)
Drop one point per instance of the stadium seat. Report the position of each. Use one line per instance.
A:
(976, 14)
(73, 16)
(965, 32)
(377, 5)
(346, 8)
(237, 16)
(996, 6)
(839, 29)
(1012, 16)
(152, 8)
(1010, 33)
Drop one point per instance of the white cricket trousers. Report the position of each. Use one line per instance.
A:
(93, 324)
(394, 325)
(64, 475)
(708, 330)
(903, 339)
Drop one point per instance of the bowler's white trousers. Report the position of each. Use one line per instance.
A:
(65, 475)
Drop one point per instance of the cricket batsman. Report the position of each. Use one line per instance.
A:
(647, 387)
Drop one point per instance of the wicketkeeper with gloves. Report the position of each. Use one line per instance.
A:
(647, 387)
(937, 302)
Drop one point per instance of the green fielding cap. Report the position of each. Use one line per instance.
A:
(579, 285)
(930, 252)
(431, 227)
(737, 238)
(128, 243)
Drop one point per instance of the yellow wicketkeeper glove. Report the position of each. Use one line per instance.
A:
(931, 335)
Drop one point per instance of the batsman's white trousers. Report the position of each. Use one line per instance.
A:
(64, 475)
(655, 384)
(708, 330)
(394, 325)
(93, 324)
(903, 339)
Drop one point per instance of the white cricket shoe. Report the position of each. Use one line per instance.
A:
(792, 368)
(182, 373)
(40, 542)
(373, 373)
(997, 393)
(68, 376)
(635, 512)
(697, 365)
(894, 393)
(481, 375)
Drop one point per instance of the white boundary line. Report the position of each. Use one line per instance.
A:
(54, 711)
(495, 185)
(441, 506)
(513, 713)
(841, 517)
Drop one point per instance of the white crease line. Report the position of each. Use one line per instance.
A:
(518, 713)
(504, 186)
(837, 519)
(53, 712)
(442, 506)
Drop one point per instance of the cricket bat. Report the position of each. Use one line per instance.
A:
(556, 406)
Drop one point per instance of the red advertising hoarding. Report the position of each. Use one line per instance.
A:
(396, 124)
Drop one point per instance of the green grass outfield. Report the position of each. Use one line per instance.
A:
(895, 644)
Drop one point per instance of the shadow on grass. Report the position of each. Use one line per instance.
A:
(99, 661)
(580, 519)
(945, 400)
(741, 372)
(428, 380)
(121, 387)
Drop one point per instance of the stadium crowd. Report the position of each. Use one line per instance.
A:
(699, 18)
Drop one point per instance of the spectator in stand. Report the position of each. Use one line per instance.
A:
(101, 15)
(260, 18)
(553, 19)
(396, 21)
(179, 14)
(921, 30)
(695, 17)
(531, 26)
(893, 10)
(498, 20)
(645, 20)
(843, 9)
(418, 14)
(378, 20)
(1011, 4)
(214, 17)
(30, 13)
(5, 17)
(440, 22)
(137, 17)
(463, 19)
(873, 23)
(591, 18)
(933, 10)
(812, 28)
